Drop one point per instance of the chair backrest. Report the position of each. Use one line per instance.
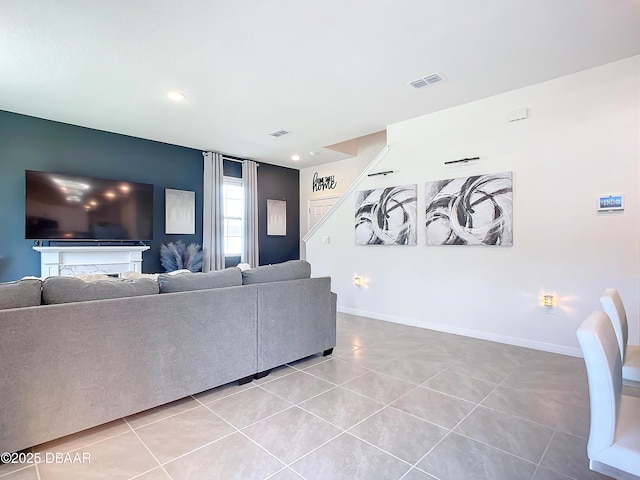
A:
(612, 305)
(604, 372)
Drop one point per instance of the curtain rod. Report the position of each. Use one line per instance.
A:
(234, 159)
(239, 160)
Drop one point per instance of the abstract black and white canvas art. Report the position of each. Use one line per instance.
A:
(277, 217)
(475, 210)
(180, 211)
(386, 216)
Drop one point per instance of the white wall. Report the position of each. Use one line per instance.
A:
(581, 141)
(344, 171)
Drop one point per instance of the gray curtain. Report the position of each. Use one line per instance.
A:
(250, 182)
(213, 212)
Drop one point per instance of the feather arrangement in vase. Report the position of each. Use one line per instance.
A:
(177, 256)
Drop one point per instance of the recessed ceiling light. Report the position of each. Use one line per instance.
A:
(175, 95)
(295, 157)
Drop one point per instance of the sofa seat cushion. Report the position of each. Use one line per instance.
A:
(183, 282)
(70, 289)
(291, 270)
(21, 293)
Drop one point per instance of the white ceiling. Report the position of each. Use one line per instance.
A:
(328, 70)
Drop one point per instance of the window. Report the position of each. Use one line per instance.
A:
(233, 193)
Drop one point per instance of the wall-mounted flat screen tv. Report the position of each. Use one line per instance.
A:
(70, 207)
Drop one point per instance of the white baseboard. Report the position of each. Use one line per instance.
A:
(468, 332)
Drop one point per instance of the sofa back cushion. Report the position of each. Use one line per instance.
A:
(291, 270)
(183, 282)
(70, 289)
(21, 293)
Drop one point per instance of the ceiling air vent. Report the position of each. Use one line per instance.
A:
(279, 133)
(428, 80)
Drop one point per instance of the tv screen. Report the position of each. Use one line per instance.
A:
(68, 207)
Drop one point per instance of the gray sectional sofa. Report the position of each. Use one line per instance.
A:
(78, 354)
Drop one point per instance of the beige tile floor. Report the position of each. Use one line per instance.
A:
(392, 402)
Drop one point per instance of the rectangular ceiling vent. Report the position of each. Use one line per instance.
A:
(279, 133)
(428, 80)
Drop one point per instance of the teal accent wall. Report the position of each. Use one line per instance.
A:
(28, 143)
(279, 183)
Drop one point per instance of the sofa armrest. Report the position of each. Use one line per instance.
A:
(296, 318)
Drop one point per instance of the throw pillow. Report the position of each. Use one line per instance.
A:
(132, 275)
(93, 277)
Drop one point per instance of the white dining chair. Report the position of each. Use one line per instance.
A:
(613, 446)
(612, 305)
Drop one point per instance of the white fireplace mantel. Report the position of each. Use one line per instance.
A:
(72, 260)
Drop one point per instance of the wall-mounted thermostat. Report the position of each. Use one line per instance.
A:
(611, 203)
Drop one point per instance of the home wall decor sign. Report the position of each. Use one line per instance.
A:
(474, 210)
(323, 183)
(386, 216)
